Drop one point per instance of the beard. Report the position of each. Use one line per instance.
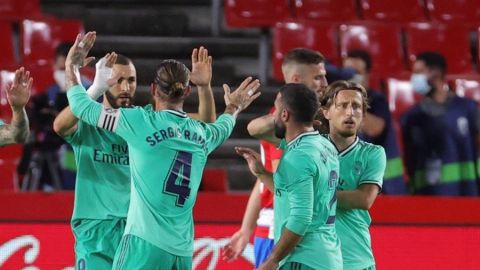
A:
(114, 100)
(280, 130)
(347, 133)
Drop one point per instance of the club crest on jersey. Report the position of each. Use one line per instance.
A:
(357, 168)
(333, 179)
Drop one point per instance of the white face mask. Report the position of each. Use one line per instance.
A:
(357, 78)
(59, 77)
(420, 83)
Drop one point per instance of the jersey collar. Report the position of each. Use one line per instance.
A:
(177, 113)
(346, 150)
(308, 133)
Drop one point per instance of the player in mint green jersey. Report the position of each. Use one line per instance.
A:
(362, 166)
(18, 94)
(304, 186)
(168, 151)
(102, 192)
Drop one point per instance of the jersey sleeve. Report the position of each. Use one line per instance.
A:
(300, 193)
(219, 131)
(375, 167)
(76, 136)
(87, 110)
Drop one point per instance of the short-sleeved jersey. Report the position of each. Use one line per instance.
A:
(168, 151)
(102, 189)
(360, 163)
(305, 200)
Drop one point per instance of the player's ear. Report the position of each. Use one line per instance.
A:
(285, 115)
(296, 78)
(188, 91)
(153, 89)
(325, 112)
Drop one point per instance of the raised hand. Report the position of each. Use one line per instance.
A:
(18, 92)
(253, 159)
(201, 74)
(243, 96)
(77, 55)
(103, 76)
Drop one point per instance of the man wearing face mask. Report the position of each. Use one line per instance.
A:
(440, 133)
(377, 125)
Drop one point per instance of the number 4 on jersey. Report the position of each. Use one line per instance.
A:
(178, 180)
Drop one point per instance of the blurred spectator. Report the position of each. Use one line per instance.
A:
(440, 133)
(377, 125)
(48, 162)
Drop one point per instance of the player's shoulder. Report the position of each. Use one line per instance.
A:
(370, 148)
(311, 145)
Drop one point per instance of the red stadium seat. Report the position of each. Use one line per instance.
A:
(15, 9)
(452, 41)
(393, 11)
(39, 38)
(255, 13)
(326, 10)
(6, 45)
(215, 180)
(289, 35)
(382, 41)
(467, 86)
(461, 11)
(400, 95)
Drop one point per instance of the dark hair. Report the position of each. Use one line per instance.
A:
(300, 101)
(172, 78)
(123, 60)
(62, 49)
(303, 56)
(362, 55)
(433, 60)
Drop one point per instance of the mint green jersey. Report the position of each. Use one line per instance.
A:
(168, 151)
(361, 163)
(305, 201)
(102, 189)
(1, 122)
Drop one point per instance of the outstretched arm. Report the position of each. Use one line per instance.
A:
(256, 167)
(18, 94)
(66, 123)
(201, 76)
(263, 128)
(240, 239)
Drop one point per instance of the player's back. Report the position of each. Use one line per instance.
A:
(168, 153)
(311, 154)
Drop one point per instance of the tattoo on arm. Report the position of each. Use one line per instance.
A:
(73, 75)
(18, 131)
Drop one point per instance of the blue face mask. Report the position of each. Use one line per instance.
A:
(420, 83)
